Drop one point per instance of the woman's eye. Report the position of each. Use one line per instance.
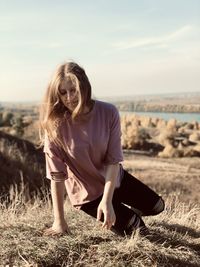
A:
(62, 92)
(72, 91)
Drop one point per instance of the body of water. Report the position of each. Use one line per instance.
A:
(183, 117)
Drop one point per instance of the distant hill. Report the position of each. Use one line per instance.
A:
(179, 103)
(182, 96)
(154, 97)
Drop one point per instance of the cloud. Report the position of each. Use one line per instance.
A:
(161, 41)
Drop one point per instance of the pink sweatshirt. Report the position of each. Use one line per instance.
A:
(91, 141)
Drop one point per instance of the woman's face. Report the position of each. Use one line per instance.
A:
(69, 95)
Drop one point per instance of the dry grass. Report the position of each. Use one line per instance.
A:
(173, 239)
(20, 160)
(180, 176)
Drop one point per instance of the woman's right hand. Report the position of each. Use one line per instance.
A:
(58, 228)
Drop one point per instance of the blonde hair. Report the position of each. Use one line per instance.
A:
(52, 110)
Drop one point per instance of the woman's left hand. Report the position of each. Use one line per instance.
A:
(108, 212)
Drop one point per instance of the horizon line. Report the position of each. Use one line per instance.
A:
(115, 97)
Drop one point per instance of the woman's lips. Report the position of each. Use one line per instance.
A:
(71, 103)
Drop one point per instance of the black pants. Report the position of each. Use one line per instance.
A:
(131, 200)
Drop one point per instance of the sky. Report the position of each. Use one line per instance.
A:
(128, 47)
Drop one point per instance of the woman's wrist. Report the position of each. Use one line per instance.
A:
(57, 192)
(106, 199)
(111, 176)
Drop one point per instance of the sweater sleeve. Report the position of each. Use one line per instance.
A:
(54, 161)
(114, 152)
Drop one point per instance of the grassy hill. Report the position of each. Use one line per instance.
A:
(20, 161)
(173, 239)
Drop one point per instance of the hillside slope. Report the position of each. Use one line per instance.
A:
(20, 160)
(173, 239)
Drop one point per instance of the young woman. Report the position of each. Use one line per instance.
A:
(82, 146)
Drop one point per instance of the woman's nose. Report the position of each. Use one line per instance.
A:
(69, 96)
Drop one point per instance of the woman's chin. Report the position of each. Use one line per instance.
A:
(70, 108)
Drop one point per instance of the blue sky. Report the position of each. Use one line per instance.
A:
(127, 47)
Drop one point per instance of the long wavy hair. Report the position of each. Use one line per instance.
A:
(52, 110)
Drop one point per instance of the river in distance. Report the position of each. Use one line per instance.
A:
(183, 117)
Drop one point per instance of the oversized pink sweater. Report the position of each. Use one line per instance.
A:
(92, 142)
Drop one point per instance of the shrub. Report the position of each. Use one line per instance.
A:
(170, 152)
(172, 124)
(18, 125)
(7, 118)
(133, 135)
(194, 137)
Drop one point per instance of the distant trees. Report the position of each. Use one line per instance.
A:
(18, 125)
(142, 106)
(16, 122)
(160, 137)
(6, 118)
(155, 136)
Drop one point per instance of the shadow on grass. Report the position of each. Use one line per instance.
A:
(182, 229)
(172, 235)
(173, 262)
(97, 240)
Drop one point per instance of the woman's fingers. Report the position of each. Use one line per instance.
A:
(108, 213)
(114, 220)
(99, 213)
(108, 222)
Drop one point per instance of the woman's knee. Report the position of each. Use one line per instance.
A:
(159, 207)
(135, 222)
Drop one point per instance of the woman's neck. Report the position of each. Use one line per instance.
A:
(89, 107)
